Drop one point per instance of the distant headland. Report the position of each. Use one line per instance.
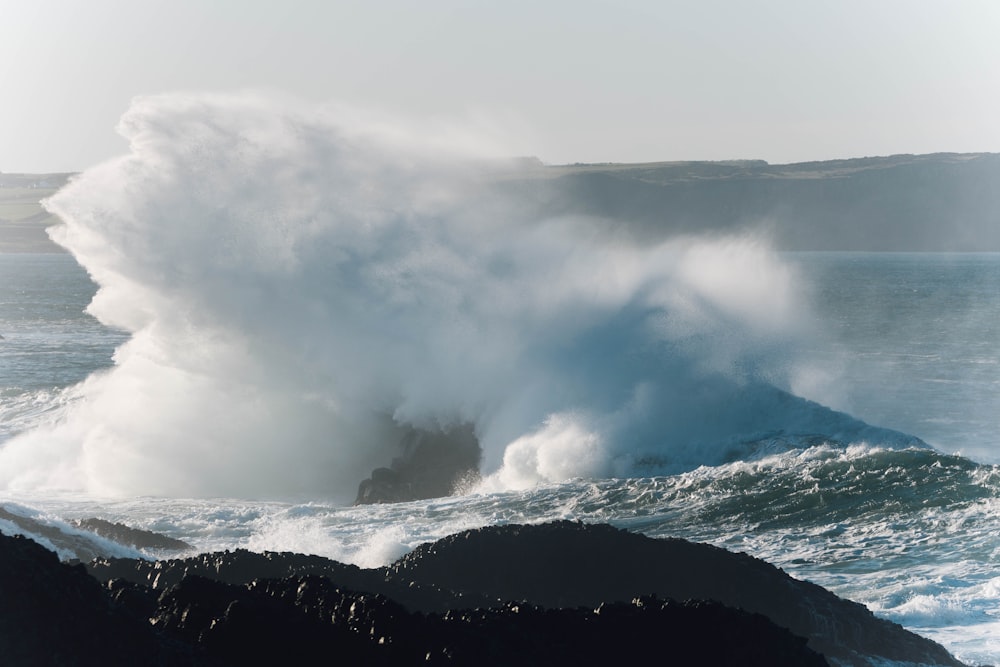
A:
(922, 203)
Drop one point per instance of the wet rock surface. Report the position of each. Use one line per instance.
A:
(567, 564)
(52, 613)
(431, 464)
(133, 537)
(550, 594)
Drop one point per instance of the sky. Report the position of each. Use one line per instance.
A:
(564, 80)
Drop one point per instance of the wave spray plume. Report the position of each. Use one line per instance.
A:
(302, 283)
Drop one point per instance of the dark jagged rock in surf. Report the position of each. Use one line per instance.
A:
(300, 617)
(56, 614)
(243, 567)
(568, 564)
(551, 594)
(432, 464)
(133, 537)
(78, 537)
(268, 622)
(82, 545)
(297, 619)
(230, 567)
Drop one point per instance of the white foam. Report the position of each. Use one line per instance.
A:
(295, 279)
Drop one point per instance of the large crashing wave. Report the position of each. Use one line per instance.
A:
(300, 283)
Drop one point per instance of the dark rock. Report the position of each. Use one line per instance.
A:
(133, 537)
(231, 567)
(294, 618)
(566, 564)
(242, 567)
(431, 464)
(558, 593)
(298, 618)
(384, 486)
(83, 546)
(56, 614)
(641, 631)
(252, 625)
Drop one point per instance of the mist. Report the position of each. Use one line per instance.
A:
(301, 282)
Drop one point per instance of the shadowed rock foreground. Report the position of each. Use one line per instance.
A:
(559, 593)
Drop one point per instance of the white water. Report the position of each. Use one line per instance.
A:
(296, 283)
(289, 282)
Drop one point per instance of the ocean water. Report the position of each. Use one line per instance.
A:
(261, 297)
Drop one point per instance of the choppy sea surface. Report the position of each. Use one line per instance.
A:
(909, 342)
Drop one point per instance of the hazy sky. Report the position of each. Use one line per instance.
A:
(575, 80)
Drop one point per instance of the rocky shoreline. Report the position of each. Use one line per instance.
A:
(546, 594)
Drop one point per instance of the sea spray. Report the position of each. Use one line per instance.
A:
(300, 283)
(911, 533)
